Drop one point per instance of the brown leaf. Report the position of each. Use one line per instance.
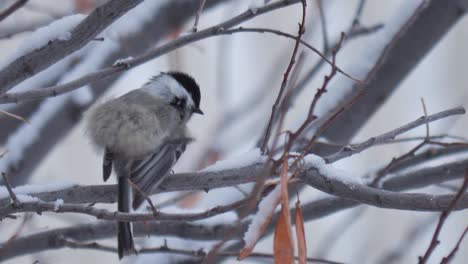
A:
(300, 235)
(283, 242)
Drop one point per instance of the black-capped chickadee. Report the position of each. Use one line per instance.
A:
(143, 134)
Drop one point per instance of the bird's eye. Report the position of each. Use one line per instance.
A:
(178, 102)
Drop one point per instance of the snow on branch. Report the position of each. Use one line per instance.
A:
(216, 30)
(51, 239)
(39, 59)
(58, 30)
(313, 174)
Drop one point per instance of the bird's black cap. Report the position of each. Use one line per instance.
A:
(189, 84)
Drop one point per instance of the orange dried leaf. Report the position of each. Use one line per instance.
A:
(283, 241)
(300, 235)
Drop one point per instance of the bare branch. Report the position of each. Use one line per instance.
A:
(323, 24)
(301, 30)
(11, 9)
(389, 136)
(443, 216)
(197, 16)
(287, 35)
(14, 199)
(199, 254)
(452, 253)
(40, 206)
(405, 244)
(17, 117)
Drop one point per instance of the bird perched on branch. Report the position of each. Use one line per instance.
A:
(143, 133)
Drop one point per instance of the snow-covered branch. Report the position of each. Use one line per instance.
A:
(315, 173)
(41, 57)
(107, 72)
(161, 18)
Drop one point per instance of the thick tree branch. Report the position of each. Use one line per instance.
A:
(210, 180)
(402, 54)
(310, 175)
(152, 54)
(380, 198)
(203, 181)
(414, 179)
(30, 64)
(51, 239)
(168, 18)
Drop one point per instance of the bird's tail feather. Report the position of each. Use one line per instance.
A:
(125, 237)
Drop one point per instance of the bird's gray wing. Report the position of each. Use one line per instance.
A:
(151, 171)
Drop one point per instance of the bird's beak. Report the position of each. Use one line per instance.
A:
(198, 111)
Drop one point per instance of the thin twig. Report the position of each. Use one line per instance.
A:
(41, 206)
(166, 249)
(452, 253)
(407, 242)
(275, 106)
(15, 235)
(425, 116)
(310, 115)
(443, 216)
(323, 24)
(197, 15)
(390, 136)
(11, 9)
(287, 35)
(15, 116)
(356, 20)
(147, 198)
(12, 194)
